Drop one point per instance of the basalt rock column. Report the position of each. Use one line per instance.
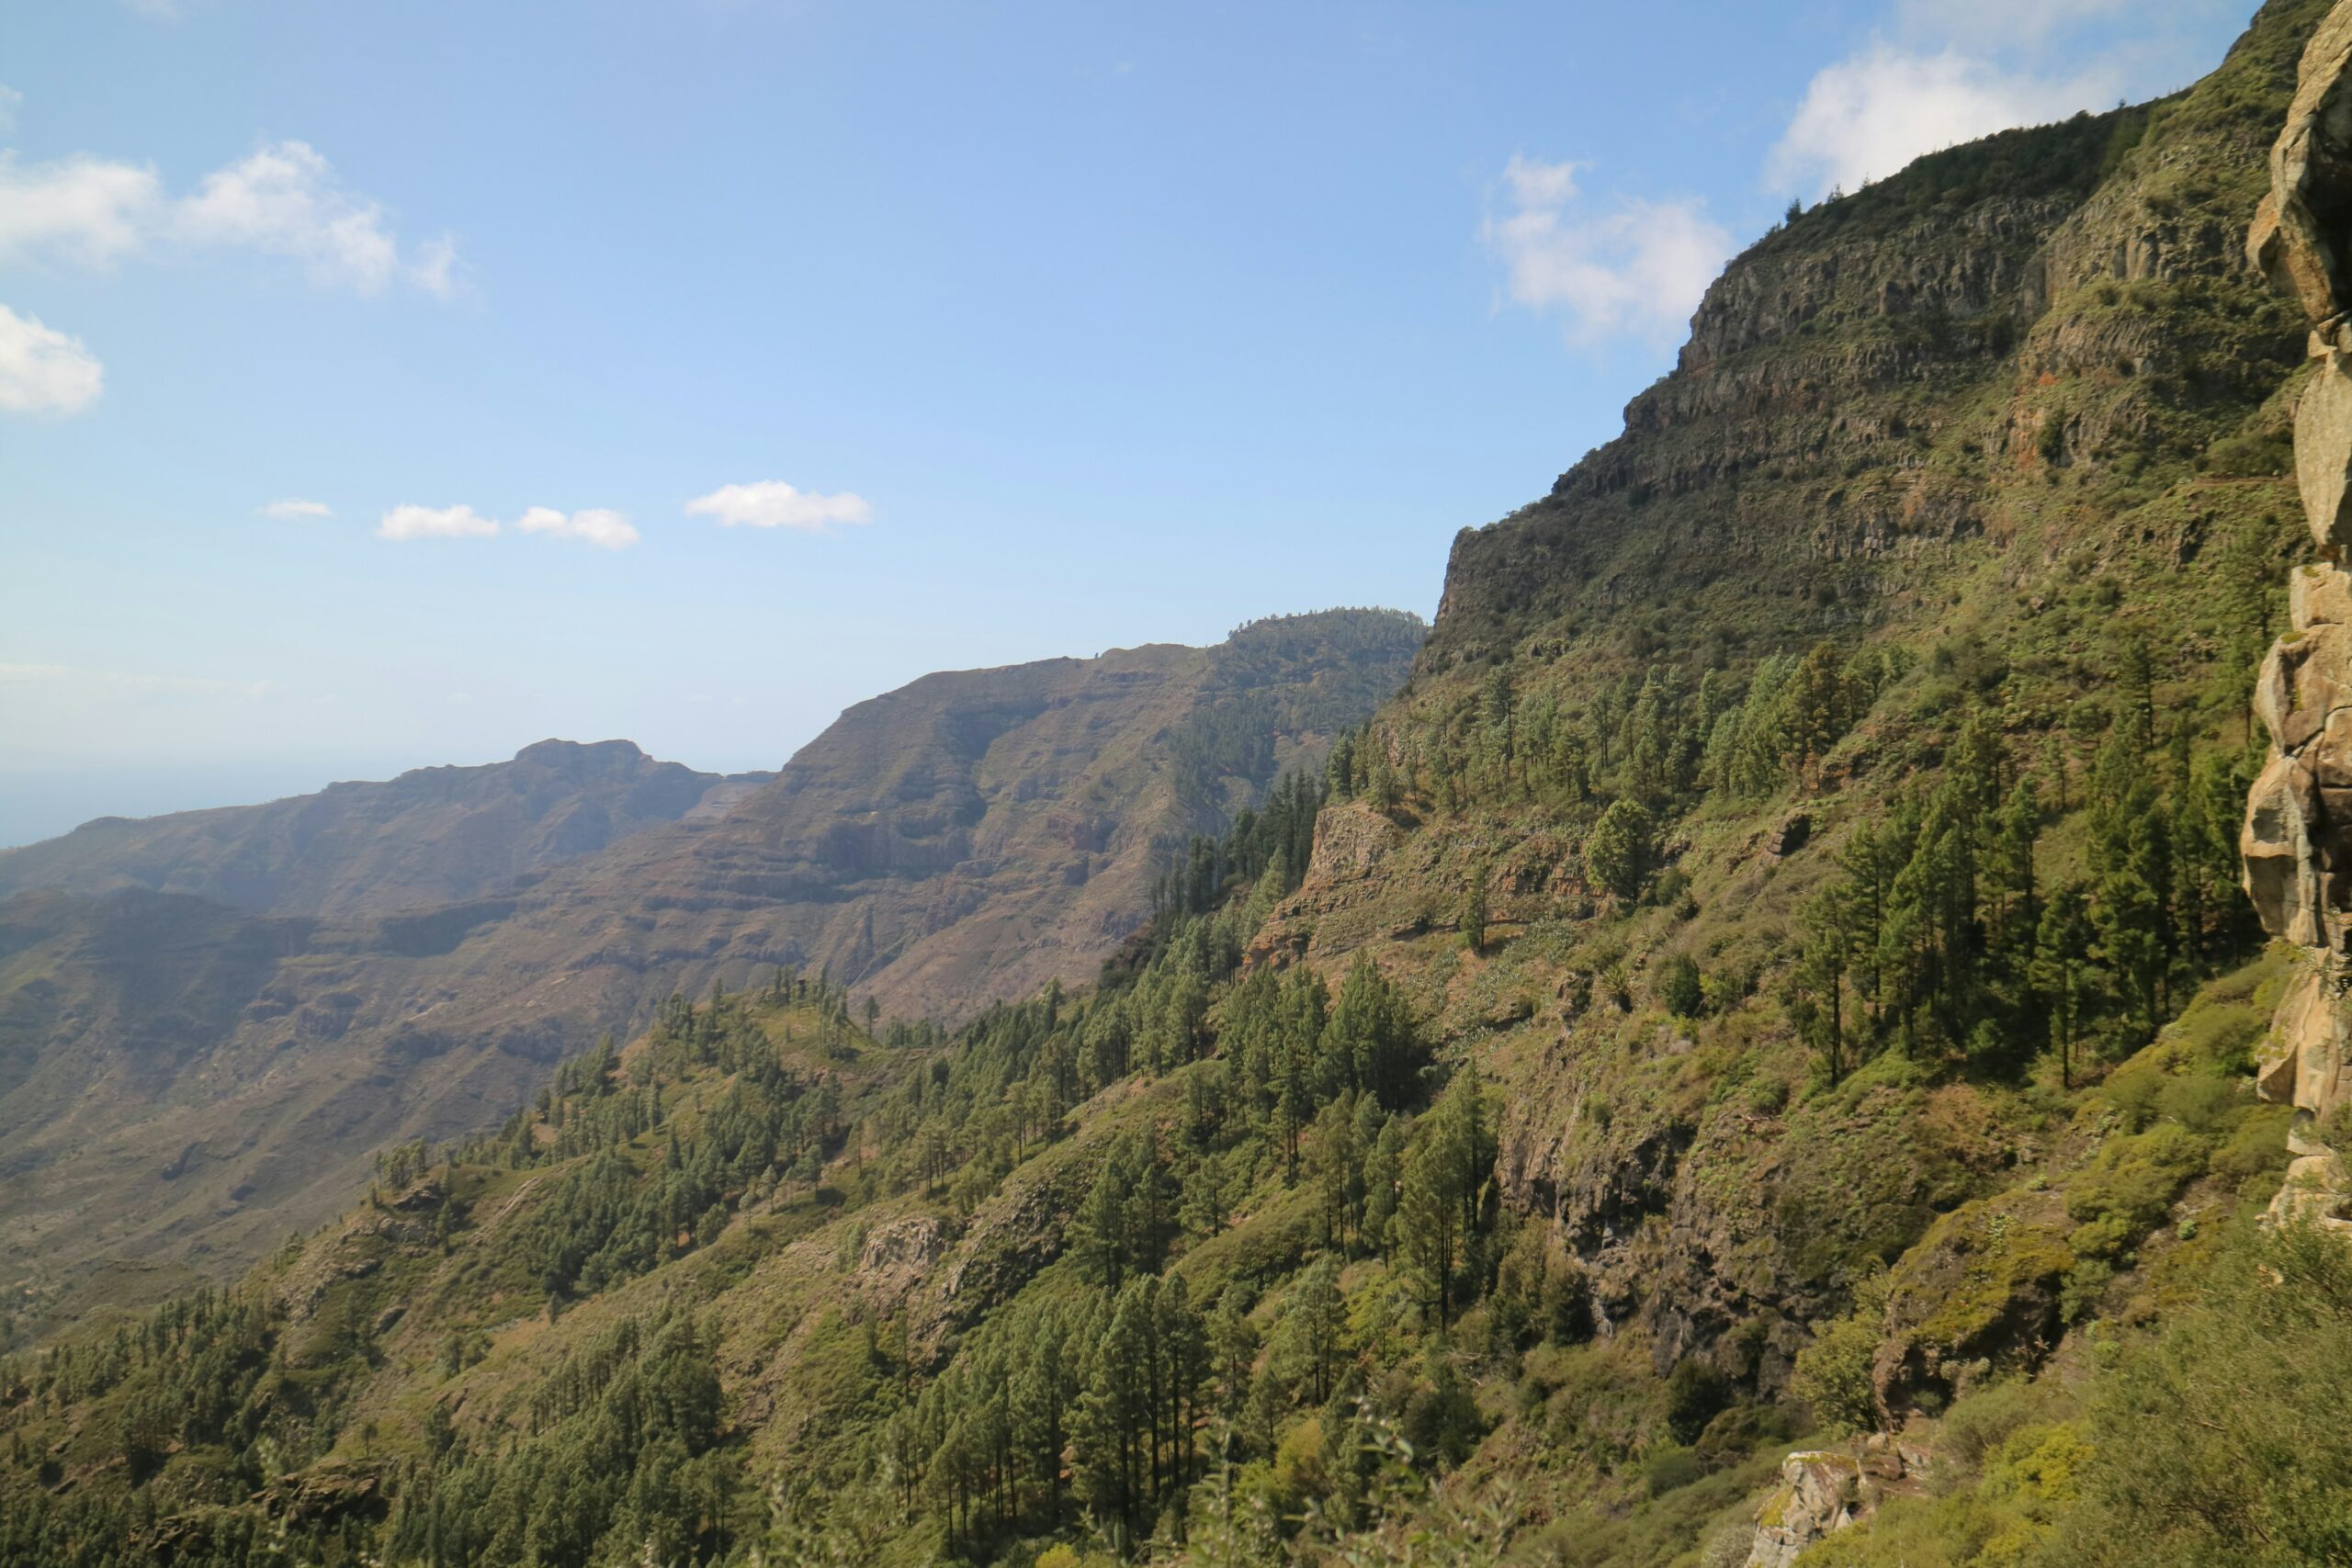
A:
(2297, 842)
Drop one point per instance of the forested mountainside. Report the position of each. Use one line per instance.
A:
(1754, 1065)
(182, 1082)
(431, 836)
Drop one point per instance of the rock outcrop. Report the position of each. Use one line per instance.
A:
(2299, 235)
(2297, 842)
(1824, 1490)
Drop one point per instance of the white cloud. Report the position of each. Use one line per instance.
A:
(281, 200)
(44, 371)
(1634, 268)
(87, 209)
(772, 503)
(1533, 184)
(1951, 70)
(1865, 118)
(435, 268)
(11, 101)
(429, 522)
(605, 530)
(293, 509)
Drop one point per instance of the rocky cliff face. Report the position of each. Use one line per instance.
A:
(2298, 839)
(1893, 375)
(1986, 410)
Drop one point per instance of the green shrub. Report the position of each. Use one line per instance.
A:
(1679, 988)
(2129, 1190)
(1671, 1468)
(1833, 1373)
(2222, 1444)
(1983, 1421)
(1695, 1393)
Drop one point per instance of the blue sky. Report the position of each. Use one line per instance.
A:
(794, 350)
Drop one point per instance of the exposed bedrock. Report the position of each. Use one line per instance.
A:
(2297, 842)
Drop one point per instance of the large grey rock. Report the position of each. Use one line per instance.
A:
(2280, 854)
(2305, 681)
(2298, 235)
(2319, 595)
(2296, 846)
(2323, 452)
(2304, 1027)
(1822, 1491)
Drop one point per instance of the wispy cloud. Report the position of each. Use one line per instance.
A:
(295, 510)
(11, 101)
(605, 530)
(411, 522)
(282, 199)
(1623, 267)
(43, 371)
(596, 526)
(772, 503)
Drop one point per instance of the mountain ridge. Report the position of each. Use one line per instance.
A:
(431, 835)
(1009, 835)
(1757, 1060)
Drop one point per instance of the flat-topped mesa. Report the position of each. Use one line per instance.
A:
(2297, 842)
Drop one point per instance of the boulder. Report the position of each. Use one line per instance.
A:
(2278, 852)
(2319, 595)
(2323, 452)
(2297, 236)
(2306, 680)
(2314, 1191)
(2276, 1059)
(1350, 841)
(1791, 836)
(1822, 1491)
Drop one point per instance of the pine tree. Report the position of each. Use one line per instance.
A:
(2060, 972)
(1444, 1177)
(1314, 1331)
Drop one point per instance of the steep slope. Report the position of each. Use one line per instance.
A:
(432, 836)
(180, 1084)
(2001, 437)
(972, 835)
(1776, 973)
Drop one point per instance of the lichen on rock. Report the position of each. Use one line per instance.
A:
(1824, 1490)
